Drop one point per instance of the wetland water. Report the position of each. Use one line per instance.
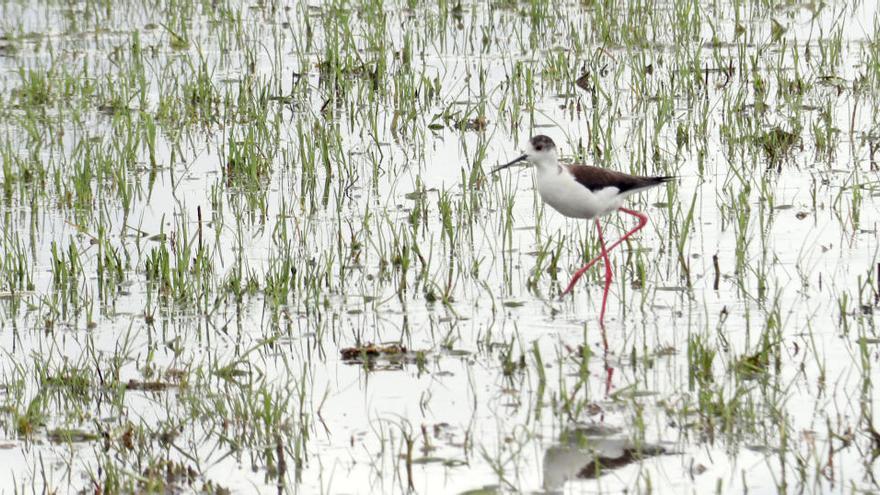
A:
(252, 247)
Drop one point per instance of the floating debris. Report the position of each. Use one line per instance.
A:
(148, 386)
(372, 351)
(383, 356)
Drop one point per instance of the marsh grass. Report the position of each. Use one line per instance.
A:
(203, 203)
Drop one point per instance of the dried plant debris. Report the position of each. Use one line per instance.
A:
(382, 356)
(369, 351)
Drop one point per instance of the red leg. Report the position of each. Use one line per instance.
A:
(608, 274)
(643, 220)
(609, 374)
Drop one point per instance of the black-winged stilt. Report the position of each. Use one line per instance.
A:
(583, 191)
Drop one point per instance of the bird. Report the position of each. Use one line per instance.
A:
(584, 192)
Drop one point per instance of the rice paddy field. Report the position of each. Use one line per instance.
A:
(254, 247)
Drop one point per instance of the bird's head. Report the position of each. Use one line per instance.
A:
(541, 150)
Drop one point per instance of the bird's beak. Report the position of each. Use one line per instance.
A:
(514, 162)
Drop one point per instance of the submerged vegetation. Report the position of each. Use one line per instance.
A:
(253, 246)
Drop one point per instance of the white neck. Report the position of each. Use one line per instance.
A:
(546, 163)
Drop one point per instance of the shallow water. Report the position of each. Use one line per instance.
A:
(204, 204)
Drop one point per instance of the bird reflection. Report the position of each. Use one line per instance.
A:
(588, 452)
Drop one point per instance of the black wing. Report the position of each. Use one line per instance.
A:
(595, 178)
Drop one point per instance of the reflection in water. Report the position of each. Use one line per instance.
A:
(589, 452)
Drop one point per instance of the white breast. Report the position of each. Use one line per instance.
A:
(560, 190)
